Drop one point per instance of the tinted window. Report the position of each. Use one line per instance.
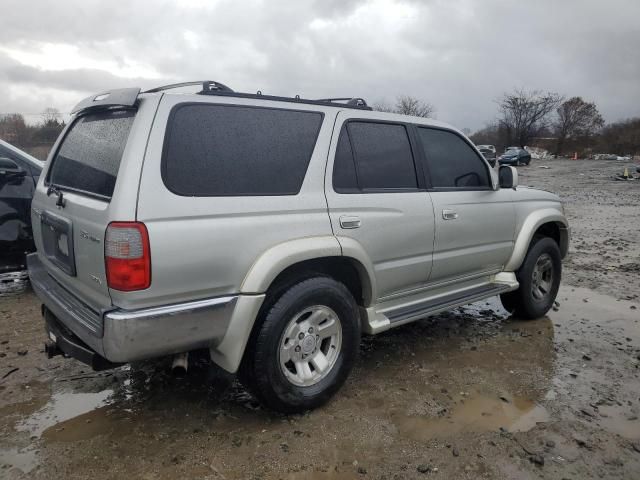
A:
(344, 169)
(383, 155)
(89, 157)
(451, 161)
(218, 150)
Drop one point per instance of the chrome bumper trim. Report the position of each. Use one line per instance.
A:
(169, 310)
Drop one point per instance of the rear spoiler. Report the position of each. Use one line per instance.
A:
(121, 97)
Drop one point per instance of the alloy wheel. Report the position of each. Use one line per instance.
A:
(310, 345)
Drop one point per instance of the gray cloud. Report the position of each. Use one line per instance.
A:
(459, 55)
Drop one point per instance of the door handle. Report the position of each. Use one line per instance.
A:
(349, 222)
(449, 214)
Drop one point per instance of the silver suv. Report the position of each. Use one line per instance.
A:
(273, 232)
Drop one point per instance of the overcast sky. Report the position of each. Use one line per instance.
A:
(459, 55)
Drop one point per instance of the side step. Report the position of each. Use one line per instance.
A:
(429, 307)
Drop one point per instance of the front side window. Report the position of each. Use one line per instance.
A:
(230, 150)
(373, 156)
(451, 162)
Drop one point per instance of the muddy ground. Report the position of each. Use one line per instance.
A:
(468, 394)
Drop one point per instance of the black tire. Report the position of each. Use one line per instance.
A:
(523, 302)
(261, 371)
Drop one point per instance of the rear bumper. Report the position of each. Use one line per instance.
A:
(126, 335)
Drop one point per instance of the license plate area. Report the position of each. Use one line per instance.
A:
(57, 241)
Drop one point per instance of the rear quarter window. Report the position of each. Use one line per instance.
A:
(230, 150)
(89, 157)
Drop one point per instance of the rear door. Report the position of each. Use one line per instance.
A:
(474, 223)
(72, 207)
(377, 200)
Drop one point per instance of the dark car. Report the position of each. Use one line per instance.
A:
(489, 154)
(515, 156)
(19, 173)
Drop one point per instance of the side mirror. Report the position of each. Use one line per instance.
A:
(9, 168)
(508, 177)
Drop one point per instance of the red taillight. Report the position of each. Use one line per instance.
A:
(127, 256)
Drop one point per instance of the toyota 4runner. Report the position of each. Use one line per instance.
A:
(273, 232)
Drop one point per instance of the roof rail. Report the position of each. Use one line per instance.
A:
(210, 87)
(359, 104)
(354, 101)
(207, 86)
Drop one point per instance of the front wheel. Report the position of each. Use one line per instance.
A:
(539, 278)
(305, 346)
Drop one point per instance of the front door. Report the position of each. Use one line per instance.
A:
(474, 224)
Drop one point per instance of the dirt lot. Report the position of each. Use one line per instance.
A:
(468, 394)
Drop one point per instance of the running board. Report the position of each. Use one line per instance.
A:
(429, 307)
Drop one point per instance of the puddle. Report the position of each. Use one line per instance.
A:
(24, 460)
(476, 413)
(62, 407)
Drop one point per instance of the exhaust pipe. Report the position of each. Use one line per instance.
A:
(180, 363)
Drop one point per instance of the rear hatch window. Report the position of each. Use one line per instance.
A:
(89, 157)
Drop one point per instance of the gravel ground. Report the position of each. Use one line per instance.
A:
(467, 394)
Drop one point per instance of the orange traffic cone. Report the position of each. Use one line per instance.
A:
(575, 155)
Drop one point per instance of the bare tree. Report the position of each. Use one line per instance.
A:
(576, 118)
(525, 113)
(51, 117)
(407, 105)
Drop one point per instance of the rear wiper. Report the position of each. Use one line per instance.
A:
(60, 202)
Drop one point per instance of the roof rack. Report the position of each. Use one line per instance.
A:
(360, 104)
(210, 87)
(207, 86)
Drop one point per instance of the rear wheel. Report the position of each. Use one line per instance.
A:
(305, 346)
(539, 278)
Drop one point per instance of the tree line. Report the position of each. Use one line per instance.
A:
(543, 119)
(548, 120)
(43, 134)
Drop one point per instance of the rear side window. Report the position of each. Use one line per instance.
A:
(223, 150)
(89, 157)
(374, 156)
(451, 162)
